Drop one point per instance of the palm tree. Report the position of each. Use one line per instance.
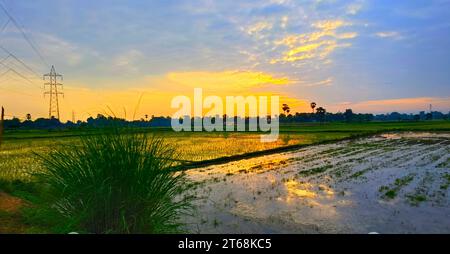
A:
(313, 106)
(286, 108)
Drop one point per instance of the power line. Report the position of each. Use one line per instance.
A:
(16, 66)
(18, 74)
(4, 73)
(25, 36)
(20, 61)
(11, 62)
(28, 83)
(4, 59)
(12, 55)
(4, 26)
(6, 79)
(9, 70)
(19, 67)
(9, 78)
(13, 91)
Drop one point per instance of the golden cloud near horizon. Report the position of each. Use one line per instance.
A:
(156, 92)
(87, 102)
(226, 80)
(123, 99)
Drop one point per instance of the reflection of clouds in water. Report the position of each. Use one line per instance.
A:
(267, 194)
(307, 194)
(398, 135)
(296, 189)
(247, 167)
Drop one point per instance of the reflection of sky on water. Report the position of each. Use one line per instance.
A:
(267, 194)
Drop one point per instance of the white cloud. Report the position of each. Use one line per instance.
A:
(64, 50)
(389, 34)
(280, 2)
(284, 22)
(354, 8)
(258, 27)
(52, 48)
(326, 82)
(128, 61)
(127, 58)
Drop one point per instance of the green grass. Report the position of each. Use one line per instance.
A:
(444, 164)
(399, 183)
(315, 171)
(416, 199)
(446, 179)
(18, 165)
(360, 173)
(369, 126)
(111, 183)
(16, 162)
(391, 193)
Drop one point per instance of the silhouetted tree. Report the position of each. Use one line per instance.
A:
(348, 115)
(286, 109)
(320, 112)
(313, 106)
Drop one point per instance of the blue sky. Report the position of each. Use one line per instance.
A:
(374, 56)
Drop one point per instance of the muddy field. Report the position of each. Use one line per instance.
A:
(391, 183)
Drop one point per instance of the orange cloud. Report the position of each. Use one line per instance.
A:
(226, 80)
(123, 98)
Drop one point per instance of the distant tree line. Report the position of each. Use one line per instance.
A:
(349, 116)
(98, 122)
(319, 115)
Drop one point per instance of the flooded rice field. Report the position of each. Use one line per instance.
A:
(391, 183)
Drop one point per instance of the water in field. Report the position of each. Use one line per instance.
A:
(392, 183)
(18, 156)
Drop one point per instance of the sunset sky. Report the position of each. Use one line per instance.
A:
(371, 56)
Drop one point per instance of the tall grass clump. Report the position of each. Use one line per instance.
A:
(114, 183)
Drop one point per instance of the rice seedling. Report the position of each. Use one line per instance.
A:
(113, 183)
(399, 183)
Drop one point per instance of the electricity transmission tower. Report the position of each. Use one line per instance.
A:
(53, 110)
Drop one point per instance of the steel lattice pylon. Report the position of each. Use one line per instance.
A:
(53, 84)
